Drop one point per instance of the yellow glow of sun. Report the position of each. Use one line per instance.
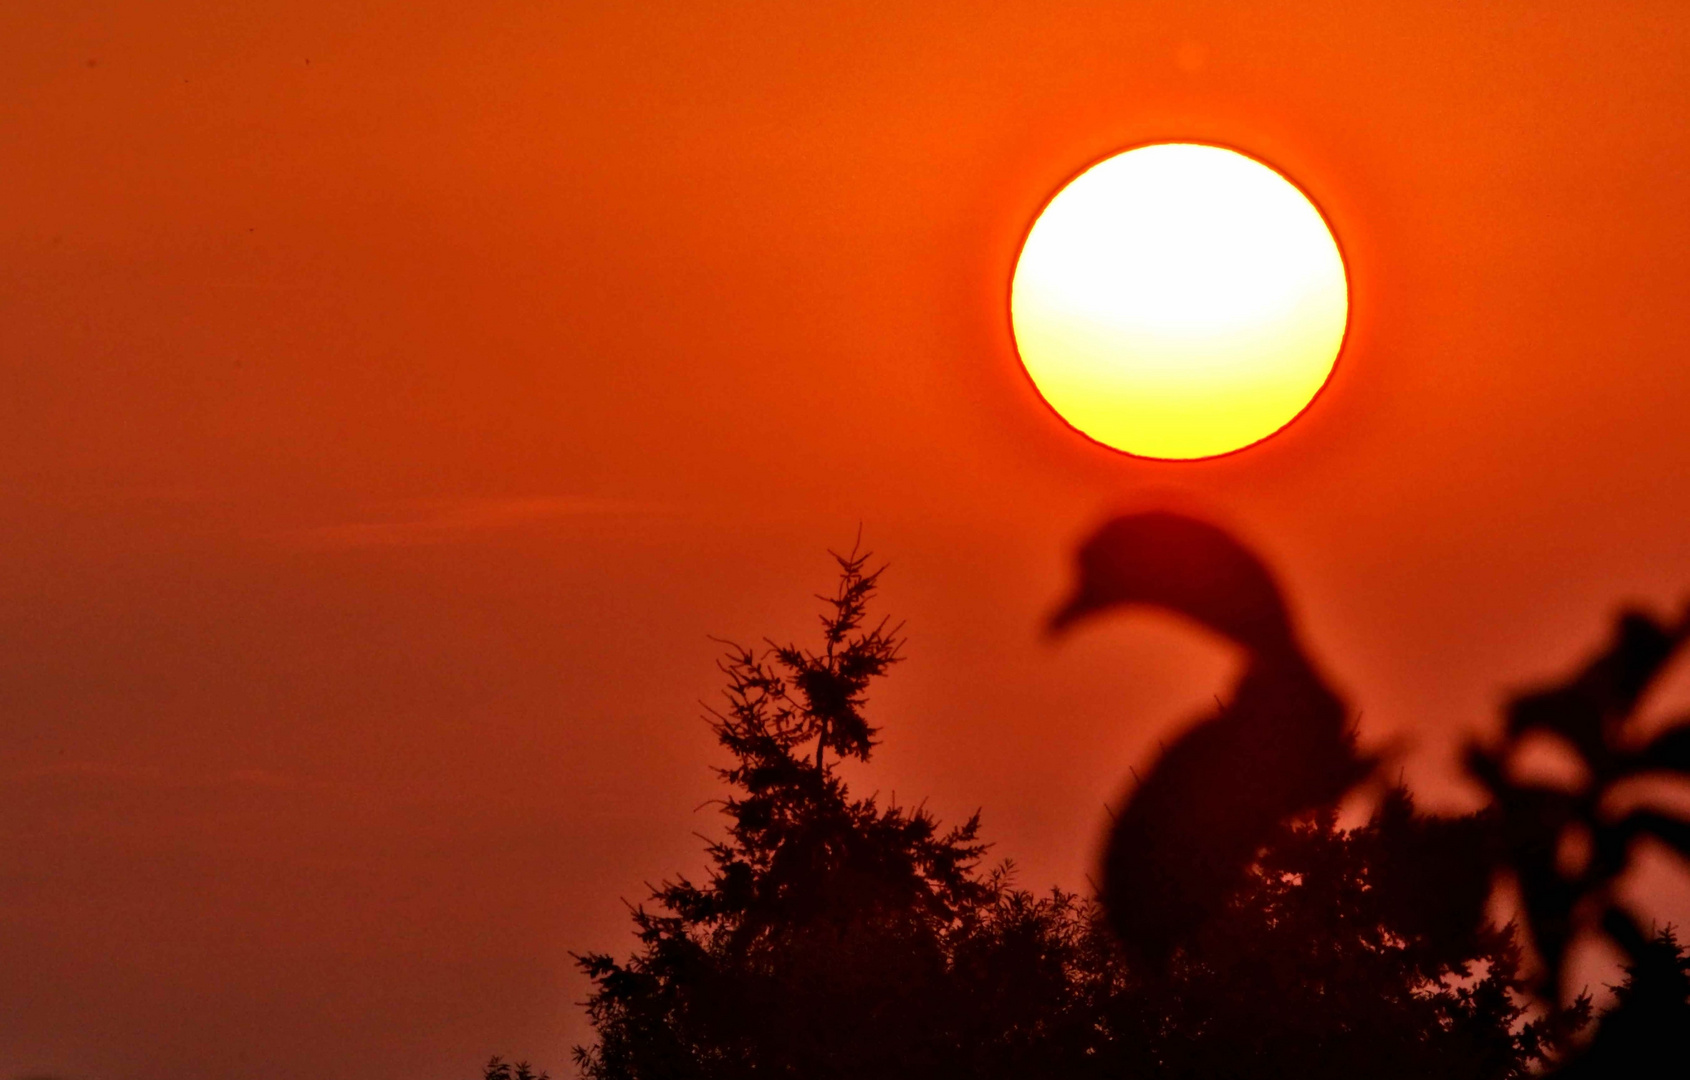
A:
(1179, 301)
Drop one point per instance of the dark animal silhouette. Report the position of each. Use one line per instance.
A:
(1183, 843)
(1191, 830)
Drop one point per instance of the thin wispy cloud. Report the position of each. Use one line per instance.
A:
(450, 520)
(114, 775)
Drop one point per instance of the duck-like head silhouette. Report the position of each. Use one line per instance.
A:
(1187, 834)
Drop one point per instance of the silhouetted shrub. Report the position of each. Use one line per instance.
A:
(500, 1069)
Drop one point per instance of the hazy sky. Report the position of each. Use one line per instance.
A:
(394, 396)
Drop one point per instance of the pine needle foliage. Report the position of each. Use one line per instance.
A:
(819, 944)
(500, 1069)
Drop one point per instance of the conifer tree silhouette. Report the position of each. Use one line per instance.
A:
(500, 1069)
(817, 947)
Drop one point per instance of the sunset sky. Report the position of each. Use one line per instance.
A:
(395, 397)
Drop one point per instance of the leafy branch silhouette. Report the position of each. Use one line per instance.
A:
(1592, 714)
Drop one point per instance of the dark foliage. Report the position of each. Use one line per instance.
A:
(1643, 1035)
(1324, 965)
(1590, 714)
(817, 947)
(840, 937)
(500, 1069)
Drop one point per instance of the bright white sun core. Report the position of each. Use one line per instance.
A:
(1179, 301)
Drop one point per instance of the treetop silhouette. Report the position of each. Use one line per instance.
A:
(819, 940)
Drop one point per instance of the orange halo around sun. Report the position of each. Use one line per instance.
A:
(1179, 301)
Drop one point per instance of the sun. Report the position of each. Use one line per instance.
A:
(1179, 301)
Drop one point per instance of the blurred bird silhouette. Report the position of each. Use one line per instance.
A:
(1184, 841)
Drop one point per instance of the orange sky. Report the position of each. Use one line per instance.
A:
(393, 396)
